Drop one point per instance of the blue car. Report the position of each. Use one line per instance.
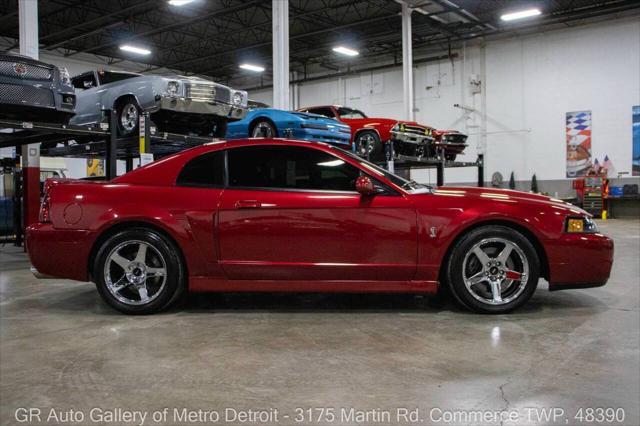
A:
(270, 122)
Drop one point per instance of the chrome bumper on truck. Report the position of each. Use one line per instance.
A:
(193, 106)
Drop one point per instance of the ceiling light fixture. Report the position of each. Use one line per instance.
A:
(520, 15)
(346, 51)
(251, 67)
(134, 49)
(179, 2)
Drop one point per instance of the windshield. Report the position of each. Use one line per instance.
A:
(350, 113)
(107, 77)
(407, 185)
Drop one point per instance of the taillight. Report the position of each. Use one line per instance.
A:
(45, 207)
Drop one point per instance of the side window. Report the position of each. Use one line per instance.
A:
(205, 170)
(280, 167)
(327, 112)
(84, 81)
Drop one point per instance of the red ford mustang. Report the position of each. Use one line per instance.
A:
(283, 215)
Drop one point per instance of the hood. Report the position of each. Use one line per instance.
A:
(507, 195)
(371, 121)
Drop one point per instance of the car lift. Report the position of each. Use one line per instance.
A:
(94, 141)
(403, 163)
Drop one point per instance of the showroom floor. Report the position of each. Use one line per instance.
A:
(62, 347)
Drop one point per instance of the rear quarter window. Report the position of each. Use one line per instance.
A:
(206, 170)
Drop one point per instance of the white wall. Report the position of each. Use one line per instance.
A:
(532, 82)
(529, 83)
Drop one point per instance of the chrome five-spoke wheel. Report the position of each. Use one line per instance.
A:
(135, 272)
(139, 271)
(495, 271)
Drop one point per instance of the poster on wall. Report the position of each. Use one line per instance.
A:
(95, 167)
(635, 157)
(578, 143)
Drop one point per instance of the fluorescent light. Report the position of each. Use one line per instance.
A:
(250, 67)
(520, 15)
(134, 49)
(179, 2)
(346, 51)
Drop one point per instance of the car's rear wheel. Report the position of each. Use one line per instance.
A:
(493, 269)
(139, 271)
(263, 129)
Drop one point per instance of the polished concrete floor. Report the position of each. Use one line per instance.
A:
(62, 348)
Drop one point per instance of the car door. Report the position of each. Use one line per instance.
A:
(292, 213)
(88, 106)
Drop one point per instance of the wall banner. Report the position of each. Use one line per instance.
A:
(635, 156)
(578, 131)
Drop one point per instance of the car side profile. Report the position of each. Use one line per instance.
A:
(272, 122)
(176, 103)
(286, 215)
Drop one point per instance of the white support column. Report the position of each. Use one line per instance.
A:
(280, 20)
(407, 63)
(28, 21)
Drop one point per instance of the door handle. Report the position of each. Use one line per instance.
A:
(248, 204)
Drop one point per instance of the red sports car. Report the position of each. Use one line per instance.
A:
(284, 215)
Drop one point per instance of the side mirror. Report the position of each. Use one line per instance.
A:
(364, 185)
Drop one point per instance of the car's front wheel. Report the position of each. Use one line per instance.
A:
(368, 144)
(493, 269)
(263, 129)
(139, 271)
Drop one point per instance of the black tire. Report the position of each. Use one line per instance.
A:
(450, 157)
(127, 110)
(516, 292)
(168, 287)
(263, 129)
(368, 139)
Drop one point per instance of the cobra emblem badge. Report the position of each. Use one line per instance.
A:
(432, 232)
(20, 69)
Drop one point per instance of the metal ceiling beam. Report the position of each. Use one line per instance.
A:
(180, 24)
(92, 22)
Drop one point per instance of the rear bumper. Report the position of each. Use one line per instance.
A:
(579, 261)
(57, 252)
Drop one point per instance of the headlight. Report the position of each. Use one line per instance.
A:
(237, 98)
(64, 77)
(580, 225)
(173, 87)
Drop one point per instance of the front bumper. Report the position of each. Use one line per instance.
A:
(411, 138)
(186, 105)
(451, 147)
(579, 261)
(317, 135)
(58, 253)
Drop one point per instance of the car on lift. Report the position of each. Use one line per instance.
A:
(452, 143)
(265, 122)
(32, 90)
(177, 104)
(285, 215)
(415, 140)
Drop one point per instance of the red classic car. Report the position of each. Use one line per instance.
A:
(451, 141)
(366, 132)
(285, 215)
